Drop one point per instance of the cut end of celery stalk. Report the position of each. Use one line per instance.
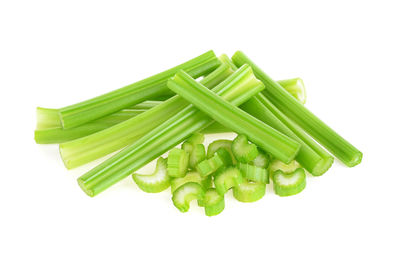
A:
(81, 184)
(355, 160)
(322, 166)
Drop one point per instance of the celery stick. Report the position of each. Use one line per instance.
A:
(267, 138)
(89, 110)
(293, 109)
(89, 148)
(47, 118)
(295, 87)
(236, 89)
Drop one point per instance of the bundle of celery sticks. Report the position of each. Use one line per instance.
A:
(278, 139)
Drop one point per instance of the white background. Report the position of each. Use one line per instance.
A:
(55, 53)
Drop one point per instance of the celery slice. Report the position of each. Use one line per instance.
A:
(185, 194)
(178, 162)
(156, 182)
(249, 191)
(190, 177)
(262, 160)
(267, 138)
(222, 158)
(281, 166)
(227, 178)
(287, 184)
(213, 202)
(86, 111)
(293, 109)
(92, 147)
(197, 155)
(254, 173)
(242, 150)
(215, 145)
(236, 88)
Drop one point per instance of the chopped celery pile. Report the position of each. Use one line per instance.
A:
(278, 139)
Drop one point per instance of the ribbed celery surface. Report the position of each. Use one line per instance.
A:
(236, 89)
(269, 139)
(97, 145)
(293, 109)
(89, 110)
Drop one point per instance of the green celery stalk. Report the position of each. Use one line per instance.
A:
(266, 137)
(295, 87)
(89, 110)
(97, 145)
(294, 110)
(236, 89)
(47, 118)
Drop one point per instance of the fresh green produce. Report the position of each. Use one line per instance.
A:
(221, 158)
(295, 110)
(262, 160)
(214, 146)
(249, 191)
(213, 202)
(89, 110)
(183, 195)
(190, 177)
(237, 88)
(295, 87)
(156, 182)
(196, 138)
(276, 143)
(227, 178)
(286, 168)
(197, 155)
(287, 184)
(254, 173)
(92, 147)
(242, 150)
(178, 162)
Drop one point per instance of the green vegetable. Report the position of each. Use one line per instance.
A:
(227, 178)
(236, 88)
(207, 167)
(92, 147)
(178, 161)
(293, 109)
(227, 61)
(47, 118)
(196, 138)
(254, 173)
(213, 202)
(190, 177)
(287, 184)
(86, 111)
(262, 160)
(267, 138)
(295, 87)
(185, 194)
(242, 150)
(215, 145)
(197, 155)
(249, 191)
(156, 182)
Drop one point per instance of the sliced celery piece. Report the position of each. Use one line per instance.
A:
(185, 194)
(295, 87)
(262, 160)
(254, 173)
(178, 162)
(86, 111)
(221, 158)
(156, 182)
(249, 191)
(227, 178)
(92, 147)
(196, 138)
(197, 155)
(236, 89)
(213, 202)
(267, 138)
(242, 150)
(215, 145)
(286, 168)
(293, 109)
(287, 184)
(190, 177)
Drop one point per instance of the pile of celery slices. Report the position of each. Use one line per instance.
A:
(278, 140)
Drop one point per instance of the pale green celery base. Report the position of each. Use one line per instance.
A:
(47, 118)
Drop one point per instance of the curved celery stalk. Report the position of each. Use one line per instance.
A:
(227, 178)
(287, 184)
(222, 158)
(295, 87)
(190, 177)
(249, 191)
(237, 88)
(156, 182)
(242, 150)
(267, 138)
(86, 111)
(214, 146)
(293, 109)
(185, 194)
(92, 147)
